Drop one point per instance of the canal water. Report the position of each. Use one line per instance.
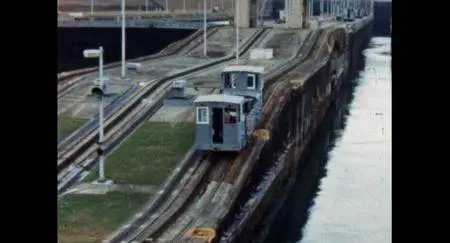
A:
(344, 191)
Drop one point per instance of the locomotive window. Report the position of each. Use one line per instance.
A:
(230, 115)
(248, 106)
(233, 80)
(202, 115)
(227, 81)
(251, 81)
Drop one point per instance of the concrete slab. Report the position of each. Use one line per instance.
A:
(96, 188)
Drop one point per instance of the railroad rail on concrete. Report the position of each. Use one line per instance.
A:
(156, 223)
(143, 23)
(79, 153)
(175, 20)
(213, 185)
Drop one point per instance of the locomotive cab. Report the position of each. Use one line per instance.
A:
(219, 122)
(225, 121)
(242, 80)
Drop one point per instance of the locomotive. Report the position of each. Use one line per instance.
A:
(226, 120)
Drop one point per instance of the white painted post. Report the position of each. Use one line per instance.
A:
(101, 176)
(205, 53)
(237, 31)
(123, 37)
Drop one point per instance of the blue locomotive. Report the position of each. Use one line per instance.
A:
(224, 121)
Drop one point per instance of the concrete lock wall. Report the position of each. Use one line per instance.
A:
(302, 112)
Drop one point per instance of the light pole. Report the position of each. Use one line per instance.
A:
(309, 8)
(204, 29)
(237, 30)
(122, 12)
(146, 6)
(92, 7)
(98, 53)
(321, 8)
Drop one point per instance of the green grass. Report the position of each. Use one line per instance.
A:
(149, 155)
(91, 218)
(67, 125)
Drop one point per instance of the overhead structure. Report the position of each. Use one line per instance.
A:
(252, 12)
(242, 17)
(295, 13)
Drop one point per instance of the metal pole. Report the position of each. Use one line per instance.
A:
(146, 6)
(167, 5)
(286, 13)
(237, 31)
(101, 176)
(184, 6)
(309, 8)
(321, 8)
(92, 7)
(204, 29)
(371, 7)
(123, 37)
(332, 7)
(328, 8)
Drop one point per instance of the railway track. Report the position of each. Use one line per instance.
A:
(171, 225)
(117, 103)
(65, 83)
(173, 230)
(199, 182)
(271, 112)
(217, 211)
(72, 161)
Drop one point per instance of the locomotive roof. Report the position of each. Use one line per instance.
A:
(244, 68)
(222, 98)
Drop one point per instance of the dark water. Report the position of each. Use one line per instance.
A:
(382, 14)
(140, 42)
(346, 184)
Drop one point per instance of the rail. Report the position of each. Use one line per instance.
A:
(208, 203)
(170, 24)
(223, 206)
(169, 50)
(268, 179)
(120, 235)
(67, 159)
(114, 106)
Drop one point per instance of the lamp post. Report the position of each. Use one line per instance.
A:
(92, 7)
(205, 53)
(98, 53)
(122, 13)
(237, 30)
(321, 8)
